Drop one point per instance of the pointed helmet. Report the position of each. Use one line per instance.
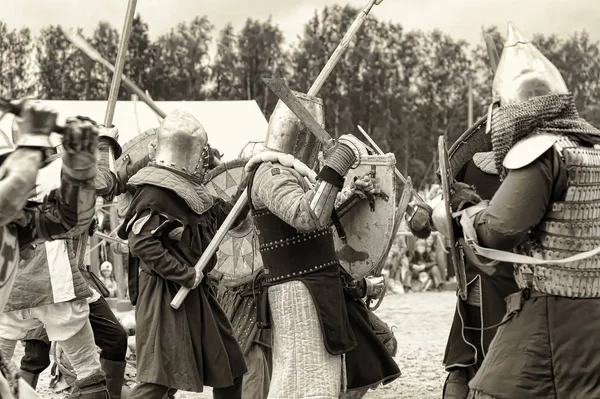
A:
(182, 145)
(287, 134)
(523, 72)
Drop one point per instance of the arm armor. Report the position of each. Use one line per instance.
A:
(331, 181)
(18, 174)
(107, 184)
(67, 212)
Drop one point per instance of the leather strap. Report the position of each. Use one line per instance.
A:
(467, 217)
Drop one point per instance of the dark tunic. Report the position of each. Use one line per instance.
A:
(194, 345)
(289, 255)
(468, 347)
(549, 349)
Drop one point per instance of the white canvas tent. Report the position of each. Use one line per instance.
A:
(229, 124)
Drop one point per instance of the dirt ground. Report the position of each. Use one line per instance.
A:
(421, 322)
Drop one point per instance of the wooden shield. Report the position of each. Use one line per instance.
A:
(456, 254)
(135, 156)
(238, 256)
(224, 180)
(367, 229)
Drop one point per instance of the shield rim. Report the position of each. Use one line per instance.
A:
(446, 178)
(396, 222)
(474, 140)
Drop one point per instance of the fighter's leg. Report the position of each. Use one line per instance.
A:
(147, 390)
(68, 325)
(111, 338)
(232, 392)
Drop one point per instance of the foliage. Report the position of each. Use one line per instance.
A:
(404, 88)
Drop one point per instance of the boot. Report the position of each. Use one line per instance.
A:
(115, 374)
(456, 385)
(29, 378)
(92, 387)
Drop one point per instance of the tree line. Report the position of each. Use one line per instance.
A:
(404, 87)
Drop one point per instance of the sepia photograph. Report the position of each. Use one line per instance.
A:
(315, 199)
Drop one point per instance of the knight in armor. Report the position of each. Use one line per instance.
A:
(171, 220)
(32, 290)
(238, 300)
(546, 211)
(313, 305)
(67, 211)
(476, 318)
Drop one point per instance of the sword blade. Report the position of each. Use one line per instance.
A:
(283, 92)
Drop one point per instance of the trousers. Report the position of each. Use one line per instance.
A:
(109, 336)
(147, 390)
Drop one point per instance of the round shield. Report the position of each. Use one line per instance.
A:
(224, 180)
(238, 257)
(468, 144)
(135, 156)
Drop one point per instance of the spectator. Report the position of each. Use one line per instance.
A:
(424, 268)
(108, 279)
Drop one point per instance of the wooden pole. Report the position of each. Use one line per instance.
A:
(120, 274)
(241, 202)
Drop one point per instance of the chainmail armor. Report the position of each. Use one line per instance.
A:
(554, 113)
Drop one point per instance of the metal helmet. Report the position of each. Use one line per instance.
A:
(523, 72)
(251, 148)
(287, 134)
(182, 145)
(106, 266)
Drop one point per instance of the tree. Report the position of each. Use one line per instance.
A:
(139, 60)
(260, 49)
(181, 67)
(225, 77)
(62, 75)
(17, 64)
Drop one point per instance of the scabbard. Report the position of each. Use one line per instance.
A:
(263, 314)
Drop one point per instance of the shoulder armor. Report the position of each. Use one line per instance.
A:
(486, 162)
(529, 149)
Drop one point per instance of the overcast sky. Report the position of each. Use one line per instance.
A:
(460, 18)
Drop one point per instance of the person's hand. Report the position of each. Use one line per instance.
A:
(110, 135)
(463, 196)
(35, 123)
(365, 186)
(199, 277)
(80, 142)
(375, 286)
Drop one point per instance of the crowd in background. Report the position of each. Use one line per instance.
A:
(418, 265)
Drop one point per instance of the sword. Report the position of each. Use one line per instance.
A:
(399, 175)
(317, 85)
(79, 42)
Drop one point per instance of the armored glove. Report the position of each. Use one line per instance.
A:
(35, 123)
(374, 287)
(463, 196)
(110, 136)
(80, 142)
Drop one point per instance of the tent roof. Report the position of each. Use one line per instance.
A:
(229, 124)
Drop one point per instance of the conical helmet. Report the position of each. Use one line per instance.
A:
(182, 145)
(287, 134)
(523, 72)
